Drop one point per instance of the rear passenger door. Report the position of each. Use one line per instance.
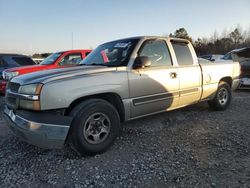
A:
(189, 74)
(155, 88)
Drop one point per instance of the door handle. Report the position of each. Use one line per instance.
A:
(173, 75)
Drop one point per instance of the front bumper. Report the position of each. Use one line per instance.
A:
(44, 130)
(244, 83)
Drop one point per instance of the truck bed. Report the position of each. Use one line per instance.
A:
(213, 72)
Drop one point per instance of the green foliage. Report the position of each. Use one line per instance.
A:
(224, 44)
(43, 55)
(215, 44)
(181, 33)
(236, 37)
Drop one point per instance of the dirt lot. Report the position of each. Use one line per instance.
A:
(190, 147)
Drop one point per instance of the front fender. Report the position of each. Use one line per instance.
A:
(61, 93)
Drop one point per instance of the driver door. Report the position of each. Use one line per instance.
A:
(155, 88)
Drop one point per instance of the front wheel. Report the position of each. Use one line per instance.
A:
(95, 126)
(222, 98)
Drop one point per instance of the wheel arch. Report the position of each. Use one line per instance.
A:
(227, 79)
(112, 98)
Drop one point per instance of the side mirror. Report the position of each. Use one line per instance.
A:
(142, 62)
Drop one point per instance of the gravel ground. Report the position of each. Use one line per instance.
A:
(189, 147)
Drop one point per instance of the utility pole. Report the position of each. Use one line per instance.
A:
(72, 40)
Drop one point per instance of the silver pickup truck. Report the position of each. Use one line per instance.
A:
(119, 81)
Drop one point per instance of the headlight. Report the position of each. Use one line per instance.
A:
(30, 96)
(29, 105)
(32, 89)
(9, 75)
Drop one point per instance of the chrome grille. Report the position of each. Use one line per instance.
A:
(13, 87)
(11, 101)
(11, 98)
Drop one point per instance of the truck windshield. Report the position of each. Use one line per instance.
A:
(228, 56)
(51, 59)
(115, 53)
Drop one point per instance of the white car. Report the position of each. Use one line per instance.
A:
(212, 57)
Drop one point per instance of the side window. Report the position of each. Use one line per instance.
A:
(183, 54)
(3, 63)
(157, 51)
(71, 59)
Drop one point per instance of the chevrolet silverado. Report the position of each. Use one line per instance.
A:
(119, 81)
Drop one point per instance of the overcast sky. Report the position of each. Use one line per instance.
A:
(29, 26)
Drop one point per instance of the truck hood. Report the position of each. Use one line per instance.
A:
(59, 74)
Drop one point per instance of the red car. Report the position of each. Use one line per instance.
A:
(55, 60)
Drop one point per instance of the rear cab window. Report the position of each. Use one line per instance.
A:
(183, 53)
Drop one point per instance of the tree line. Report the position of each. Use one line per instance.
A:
(43, 55)
(217, 44)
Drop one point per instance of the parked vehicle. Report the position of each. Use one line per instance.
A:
(212, 57)
(119, 81)
(38, 60)
(9, 61)
(55, 60)
(242, 56)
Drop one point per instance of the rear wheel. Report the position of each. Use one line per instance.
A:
(222, 98)
(95, 126)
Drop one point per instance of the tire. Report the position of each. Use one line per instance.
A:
(222, 98)
(95, 126)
